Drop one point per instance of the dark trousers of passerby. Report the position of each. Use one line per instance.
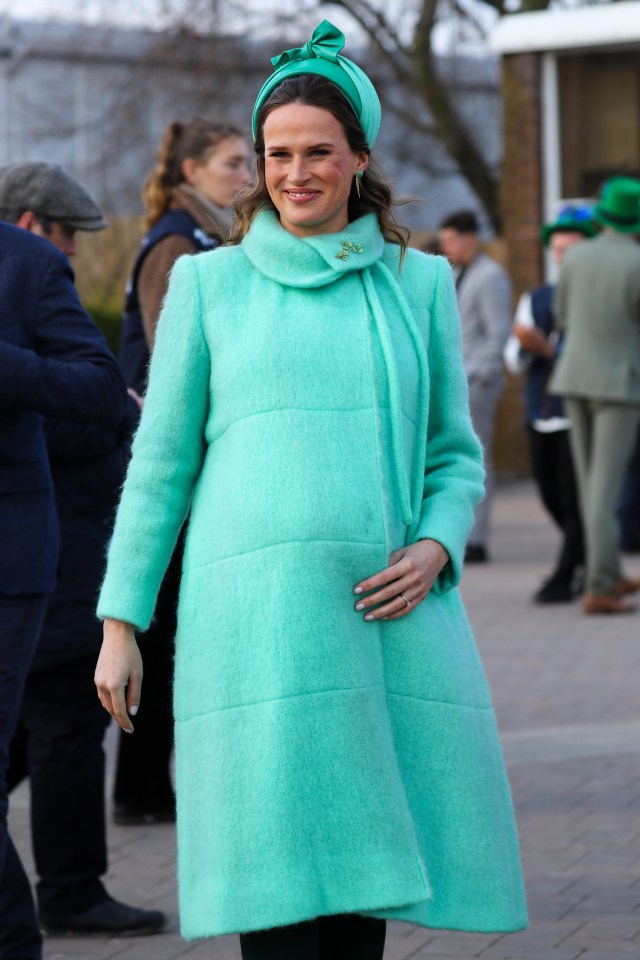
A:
(58, 744)
(629, 507)
(143, 783)
(20, 624)
(346, 935)
(554, 474)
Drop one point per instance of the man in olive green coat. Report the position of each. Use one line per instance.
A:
(598, 306)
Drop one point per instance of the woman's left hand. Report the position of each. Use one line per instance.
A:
(405, 583)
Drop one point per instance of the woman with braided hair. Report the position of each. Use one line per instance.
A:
(337, 757)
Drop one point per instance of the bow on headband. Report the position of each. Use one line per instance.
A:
(326, 42)
(321, 55)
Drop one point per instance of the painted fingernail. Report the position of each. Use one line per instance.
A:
(357, 589)
(133, 710)
(369, 616)
(359, 606)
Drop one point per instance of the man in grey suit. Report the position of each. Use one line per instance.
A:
(484, 300)
(598, 374)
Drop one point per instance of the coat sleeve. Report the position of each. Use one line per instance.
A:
(69, 442)
(454, 473)
(494, 305)
(69, 372)
(167, 456)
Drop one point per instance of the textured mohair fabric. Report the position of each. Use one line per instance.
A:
(312, 412)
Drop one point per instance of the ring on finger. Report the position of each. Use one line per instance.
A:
(408, 602)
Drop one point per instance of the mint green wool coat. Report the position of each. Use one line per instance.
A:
(307, 402)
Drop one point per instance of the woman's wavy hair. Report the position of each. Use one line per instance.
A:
(376, 193)
(191, 140)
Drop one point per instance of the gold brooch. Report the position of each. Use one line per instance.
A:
(348, 246)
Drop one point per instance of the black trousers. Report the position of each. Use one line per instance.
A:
(58, 745)
(553, 470)
(20, 624)
(629, 508)
(351, 936)
(143, 782)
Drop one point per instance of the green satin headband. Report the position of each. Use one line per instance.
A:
(321, 55)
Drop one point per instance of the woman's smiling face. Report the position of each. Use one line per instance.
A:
(309, 168)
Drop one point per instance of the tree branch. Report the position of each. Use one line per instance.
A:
(460, 11)
(498, 5)
(370, 18)
(412, 121)
(403, 73)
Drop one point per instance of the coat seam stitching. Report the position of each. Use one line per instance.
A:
(260, 413)
(289, 696)
(444, 703)
(279, 543)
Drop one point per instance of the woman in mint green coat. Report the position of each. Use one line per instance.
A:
(337, 756)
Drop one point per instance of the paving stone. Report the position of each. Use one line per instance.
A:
(449, 944)
(544, 934)
(222, 948)
(57, 948)
(422, 955)
(586, 941)
(504, 949)
(164, 947)
(623, 928)
(405, 940)
(614, 954)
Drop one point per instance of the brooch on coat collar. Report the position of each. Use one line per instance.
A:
(348, 246)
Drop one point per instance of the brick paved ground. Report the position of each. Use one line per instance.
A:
(568, 703)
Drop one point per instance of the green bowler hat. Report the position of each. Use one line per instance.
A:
(619, 204)
(574, 218)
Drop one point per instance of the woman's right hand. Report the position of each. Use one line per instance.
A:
(118, 674)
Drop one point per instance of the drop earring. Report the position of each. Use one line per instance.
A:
(359, 174)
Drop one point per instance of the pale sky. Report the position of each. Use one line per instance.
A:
(152, 14)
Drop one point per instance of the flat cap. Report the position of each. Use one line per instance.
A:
(51, 192)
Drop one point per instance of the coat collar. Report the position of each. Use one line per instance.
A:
(209, 216)
(311, 261)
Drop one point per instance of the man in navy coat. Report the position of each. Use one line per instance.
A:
(58, 741)
(53, 362)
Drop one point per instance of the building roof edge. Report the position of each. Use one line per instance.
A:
(604, 25)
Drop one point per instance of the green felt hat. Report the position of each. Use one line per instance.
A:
(619, 204)
(321, 55)
(574, 218)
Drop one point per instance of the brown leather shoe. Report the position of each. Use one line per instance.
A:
(625, 586)
(606, 603)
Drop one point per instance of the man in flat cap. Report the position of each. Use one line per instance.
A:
(44, 199)
(58, 738)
